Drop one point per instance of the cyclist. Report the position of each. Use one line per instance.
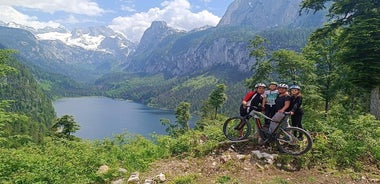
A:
(296, 106)
(270, 96)
(282, 106)
(253, 100)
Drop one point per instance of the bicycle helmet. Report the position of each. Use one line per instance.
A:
(283, 86)
(295, 87)
(273, 83)
(260, 85)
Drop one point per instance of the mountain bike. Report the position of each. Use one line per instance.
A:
(290, 140)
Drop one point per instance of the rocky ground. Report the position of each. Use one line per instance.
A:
(239, 163)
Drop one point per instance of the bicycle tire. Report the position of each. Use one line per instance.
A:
(299, 143)
(236, 128)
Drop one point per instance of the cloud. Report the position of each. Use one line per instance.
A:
(127, 8)
(10, 15)
(206, 1)
(84, 7)
(177, 14)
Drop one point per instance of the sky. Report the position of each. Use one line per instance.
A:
(130, 17)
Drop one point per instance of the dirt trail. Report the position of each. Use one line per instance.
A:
(237, 165)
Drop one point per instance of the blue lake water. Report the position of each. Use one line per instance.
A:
(101, 117)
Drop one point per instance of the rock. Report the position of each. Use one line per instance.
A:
(240, 157)
(268, 158)
(148, 181)
(160, 178)
(257, 153)
(122, 170)
(375, 180)
(119, 181)
(134, 178)
(103, 169)
(225, 158)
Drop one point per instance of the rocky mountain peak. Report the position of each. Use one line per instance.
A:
(267, 14)
(157, 31)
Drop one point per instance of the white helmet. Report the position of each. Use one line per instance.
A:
(295, 87)
(283, 86)
(260, 85)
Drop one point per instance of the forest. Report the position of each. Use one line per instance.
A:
(338, 70)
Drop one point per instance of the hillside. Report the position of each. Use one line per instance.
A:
(24, 96)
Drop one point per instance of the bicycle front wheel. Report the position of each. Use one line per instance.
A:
(294, 141)
(236, 128)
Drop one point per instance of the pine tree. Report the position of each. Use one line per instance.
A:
(218, 97)
(360, 23)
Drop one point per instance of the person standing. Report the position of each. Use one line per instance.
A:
(282, 106)
(270, 97)
(296, 106)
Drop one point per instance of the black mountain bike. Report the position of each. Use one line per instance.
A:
(290, 140)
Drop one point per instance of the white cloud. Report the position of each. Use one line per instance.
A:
(177, 14)
(9, 15)
(206, 1)
(127, 8)
(85, 7)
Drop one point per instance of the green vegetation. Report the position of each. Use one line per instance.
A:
(345, 130)
(27, 112)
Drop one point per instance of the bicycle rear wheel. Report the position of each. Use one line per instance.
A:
(294, 141)
(236, 128)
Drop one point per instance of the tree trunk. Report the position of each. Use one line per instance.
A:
(216, 112)
(375, 102)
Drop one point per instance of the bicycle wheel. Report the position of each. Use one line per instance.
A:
(236, 128)
(294, 141)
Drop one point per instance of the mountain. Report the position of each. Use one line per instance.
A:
(267, 14)
(164, 50)
(71, 55)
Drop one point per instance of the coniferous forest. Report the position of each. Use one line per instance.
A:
(337, 66)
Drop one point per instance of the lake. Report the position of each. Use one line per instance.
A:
(101, 117)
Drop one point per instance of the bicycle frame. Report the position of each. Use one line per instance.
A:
(256, 115)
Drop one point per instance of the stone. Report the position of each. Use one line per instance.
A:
(134, 178)
(148, 181)
(119, 181)
(160, 178)
(225, 158)
(103, 169)
(122, 170)
(240, 157)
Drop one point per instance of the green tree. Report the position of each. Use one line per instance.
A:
(4, 68)
(65, 126)
(217, 98)
(324, 54)
(262, 67)
(360, 23)
(291, 67)
(182, 114)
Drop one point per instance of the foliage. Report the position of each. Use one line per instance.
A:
(181, 125)
(359, 22)
(360, 50)
(323, 53)
(217, 97)
(26, 111)
(65, 126)
(182, 114)
(187, 179)
(4, 68)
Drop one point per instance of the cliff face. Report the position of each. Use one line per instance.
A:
(267, 14)
(163, 49)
